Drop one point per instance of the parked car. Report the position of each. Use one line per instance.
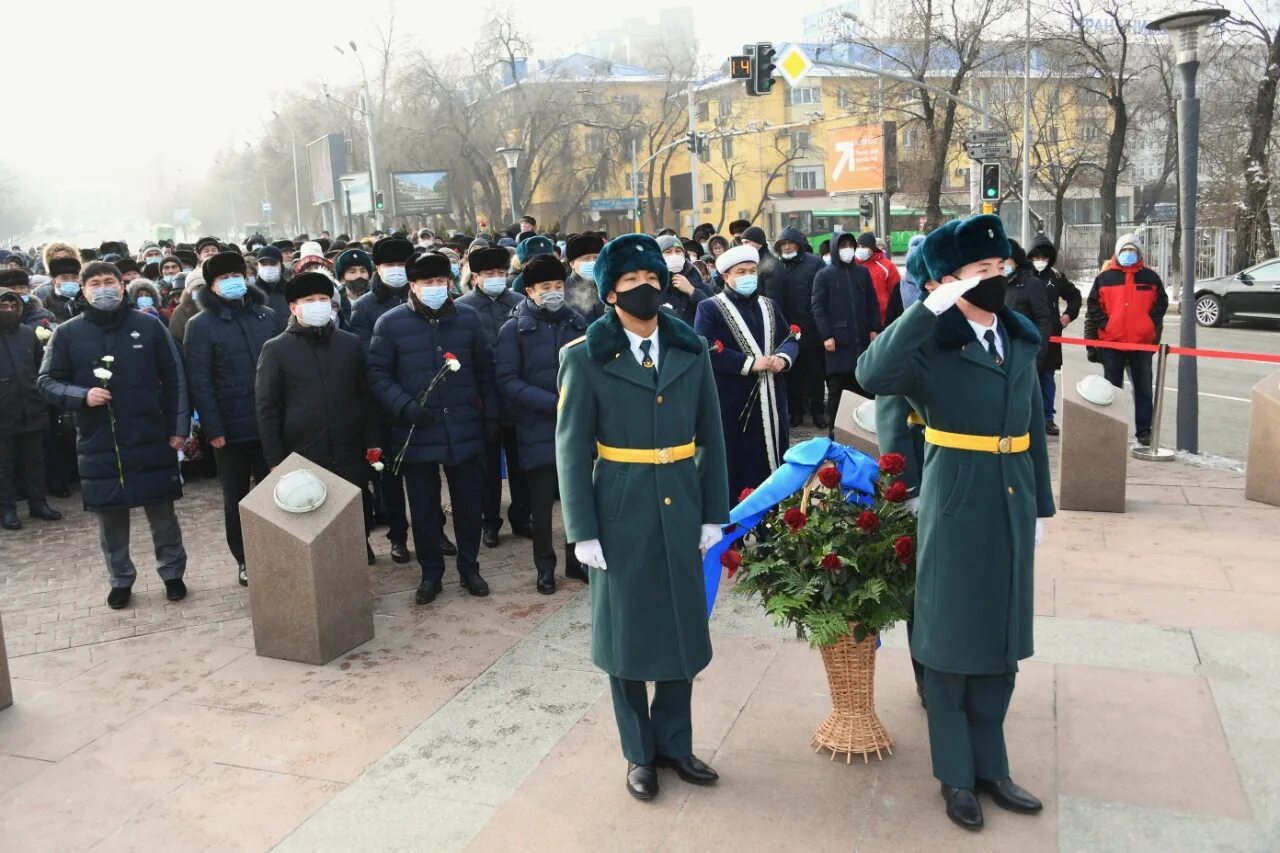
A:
(1253, 294)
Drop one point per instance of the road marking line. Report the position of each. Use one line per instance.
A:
(1129, 386)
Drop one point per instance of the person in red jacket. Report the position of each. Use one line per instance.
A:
(1127, 305)
(884, 276)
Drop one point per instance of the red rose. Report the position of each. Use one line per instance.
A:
(868, 521)
(893, 463)
(896, 493)
(905, 549)
(372, 456)
(795, 330)
(831, 563)
(794, 519)
(744, 494)
(731, 560)
(718, 346)
(829, 476)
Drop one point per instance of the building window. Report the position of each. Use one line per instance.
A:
(1088, 131)
(594, 143)
(708, 192)
(726, 107)
(629, 104)
(704, 111)
(730, 190)
(800, 140)
(807, 95)
(844, 99)
(804, 178)
(595, 183)
(910, 137)
(726, 148)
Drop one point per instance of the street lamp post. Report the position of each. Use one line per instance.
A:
(297, 192)
(367, 110)
(1185, 28)
(511, 153)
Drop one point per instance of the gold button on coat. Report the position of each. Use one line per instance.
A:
(667, 501)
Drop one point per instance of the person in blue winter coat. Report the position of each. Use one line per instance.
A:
(447, 429)
(746, 332)
(910, 289)
(222, 344)
(528, 361)
(847, 315)
(135, 464)
(491, 297)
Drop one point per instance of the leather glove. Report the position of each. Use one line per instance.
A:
(417, 415)
(590, 553)
(711, 535)
(913, 506)
(944, 296)
(1039, 532)
(492, 432)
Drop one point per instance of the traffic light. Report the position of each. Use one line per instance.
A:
(703, 144)
(378, 202)
(761, 80)
(691, 142)
(864, 207)
(990, 181)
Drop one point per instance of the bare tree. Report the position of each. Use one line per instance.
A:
(1253, 220)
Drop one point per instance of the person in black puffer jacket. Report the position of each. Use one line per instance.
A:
(136, 462)
(24, 417)
(446, 430)
(491, 297)
(847, 315)
(1027, 294)
(312, 392)
(528, 361)
(790, 284)
(1042, 255)
(222, 344)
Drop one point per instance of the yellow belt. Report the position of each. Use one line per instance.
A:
(978, 443)
(914, 419)
(638, 456)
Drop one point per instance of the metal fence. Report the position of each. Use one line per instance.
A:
(1078, 254)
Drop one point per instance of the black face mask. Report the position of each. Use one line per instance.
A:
(9, 320)
(988, 295)
(640, 302)
(357, 285)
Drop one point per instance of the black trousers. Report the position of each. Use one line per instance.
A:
(543, 486)
(238, 464)
(59, 451)
(837, 384)
(422, 479)
(28, 447)
(491, 485)
(390, 494)
(804, 383)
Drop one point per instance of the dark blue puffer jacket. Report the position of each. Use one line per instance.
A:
(370, 307)
(494, 313)
(148, 398)
(222, 345)
(407, 350)
(528, 361)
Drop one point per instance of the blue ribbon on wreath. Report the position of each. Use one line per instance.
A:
(858, 475)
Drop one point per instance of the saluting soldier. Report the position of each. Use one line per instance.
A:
(639, 389)
(967, 365)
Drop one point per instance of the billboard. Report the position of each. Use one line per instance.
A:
(855, 158)
(357, 188)
(420, 193)
(327, 157)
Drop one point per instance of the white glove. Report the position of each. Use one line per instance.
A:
(590, 553)
(946, 295)
(913, 506)
(1039, 532)
(711, 534)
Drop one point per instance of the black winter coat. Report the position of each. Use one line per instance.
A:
(370, 307)
(35, 314)
(845, 308)
(1026, 293)
(1057, 287)
(528, 361)
(790, 284)
(222, 345)
(276, 301)
(148, 399)
(681, 306)
(22, 409)
(61, 308)
(313, 398)
(408, 348)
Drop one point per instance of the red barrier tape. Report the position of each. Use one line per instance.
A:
(1195, 353)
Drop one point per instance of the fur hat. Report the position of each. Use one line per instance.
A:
(628, 253)
(497, 258)
(308, 284)
(429, 265)
(14, 278)
(283, 245)
(963, 241)
(128, 265)
(533, 245)
(223, 263)
(583, 244)
(206, 241)
(64, 266)
(138, 285)
(737, 226)
(352, 258)
(539, 269)
(187, 257)
(916, 269)
(392, 250)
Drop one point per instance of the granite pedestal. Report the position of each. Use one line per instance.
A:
(855, 426)
(308, 572)
(1262, 470)
(6, 687)
(1094, 455)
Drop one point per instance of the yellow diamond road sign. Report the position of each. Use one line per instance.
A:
(794, 65)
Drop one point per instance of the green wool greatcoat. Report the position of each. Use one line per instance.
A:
(895, 434)
(649, 609)
(975, 561)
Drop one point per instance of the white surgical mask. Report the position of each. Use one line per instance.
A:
(863, 253)
(786, 256)
(846, 255)
(316, 313)
(675, 263)
(269, 272)
(394, 277)
(826, 259)
(1040, 265)
(433, 296)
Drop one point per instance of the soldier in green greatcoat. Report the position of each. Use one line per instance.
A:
(638, 394)
(967, 365)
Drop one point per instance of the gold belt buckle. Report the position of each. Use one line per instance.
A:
(664, 455)
(1004, 445)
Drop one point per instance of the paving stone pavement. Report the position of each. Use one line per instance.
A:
(1147, 720)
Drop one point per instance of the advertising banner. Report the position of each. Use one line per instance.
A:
(420, 193)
